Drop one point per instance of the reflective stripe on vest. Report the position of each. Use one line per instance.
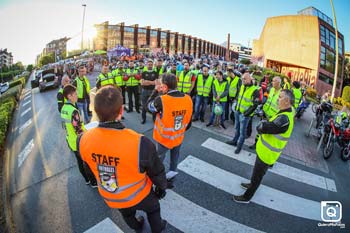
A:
(245, 98)
(106, 79)
(184, 84)
(204, 88)
(64, 99)
(132, 81)
(297, 97)
(270, 146)
(66, 118)
(271, 106)
(169, 129)
(116, 168)
(118, 77)
(233, 87)
(220, 88)
(80, 86)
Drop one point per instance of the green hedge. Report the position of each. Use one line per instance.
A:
(6, 109)
(21, 81)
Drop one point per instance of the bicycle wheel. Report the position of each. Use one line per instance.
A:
(314, 107)
(310, 127)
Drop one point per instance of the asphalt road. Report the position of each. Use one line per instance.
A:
(48, 193)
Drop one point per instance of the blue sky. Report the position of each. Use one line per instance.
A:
(29, 25)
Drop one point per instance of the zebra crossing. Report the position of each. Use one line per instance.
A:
(186, 214)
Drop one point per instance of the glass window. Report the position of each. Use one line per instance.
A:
(330, 61)
(163, 39)
(325, 78)
(340, 46)
(153, 39)
(141, 39)
(113, 36)
(179, 43)
(172, 42)
(186, 44)
(129, 37)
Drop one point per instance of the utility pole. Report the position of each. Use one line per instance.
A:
(82, 28)
(336, 52)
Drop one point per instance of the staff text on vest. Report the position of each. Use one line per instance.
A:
(177, 113)
(105, 159)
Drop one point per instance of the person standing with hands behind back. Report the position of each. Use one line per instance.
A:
(124, 162)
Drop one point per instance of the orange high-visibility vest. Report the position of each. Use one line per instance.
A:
(113, 157)
(169, 130)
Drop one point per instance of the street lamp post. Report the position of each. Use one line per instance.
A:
(82, 28)
(336, 52)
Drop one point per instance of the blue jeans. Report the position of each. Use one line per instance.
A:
(222, 117)
(200, 107)
(241, 123)
(174, 155)
(82, 106)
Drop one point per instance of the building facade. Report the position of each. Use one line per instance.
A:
(6, 58)
(243, 51)
(143, 39)
(57, 47)
(304, 46)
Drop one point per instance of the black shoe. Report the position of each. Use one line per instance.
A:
(252, 146)
(201, 119)
(232, 143)
(87, 182)
(209, 124)
(143, 121)
(93, 185)
(164, 224)
(138, 111)
(141, 220)
(194, 119)
(123, 117)
(129, 111)
(238, 149)
(245, 185)
(223, 126)
(241, 199)
(247, 136)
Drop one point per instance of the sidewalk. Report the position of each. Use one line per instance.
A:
(300, 149)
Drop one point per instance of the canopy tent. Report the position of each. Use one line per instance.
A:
(100, 52)
(118, 51)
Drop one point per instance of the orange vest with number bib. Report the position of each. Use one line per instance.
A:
(113, 157)
(170, 125)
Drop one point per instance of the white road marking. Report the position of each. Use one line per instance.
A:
(105, 226)
(190, 217)
(25, 125)
(25, 152)
(28, 102)
(26, 111)
(279, 168)
(265, 196)
(27, 97)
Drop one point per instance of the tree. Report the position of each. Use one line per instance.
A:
(29, 68)
(245, 61)
(346, 94)
(17, 66)
(47, 59)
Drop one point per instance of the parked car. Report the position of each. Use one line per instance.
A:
(4, 87)
(48, 79)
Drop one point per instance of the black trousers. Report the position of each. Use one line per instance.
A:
(133, 91)
(123, 88)
(151, 206)
(145, 94)
(259, 171)
(84, 169)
